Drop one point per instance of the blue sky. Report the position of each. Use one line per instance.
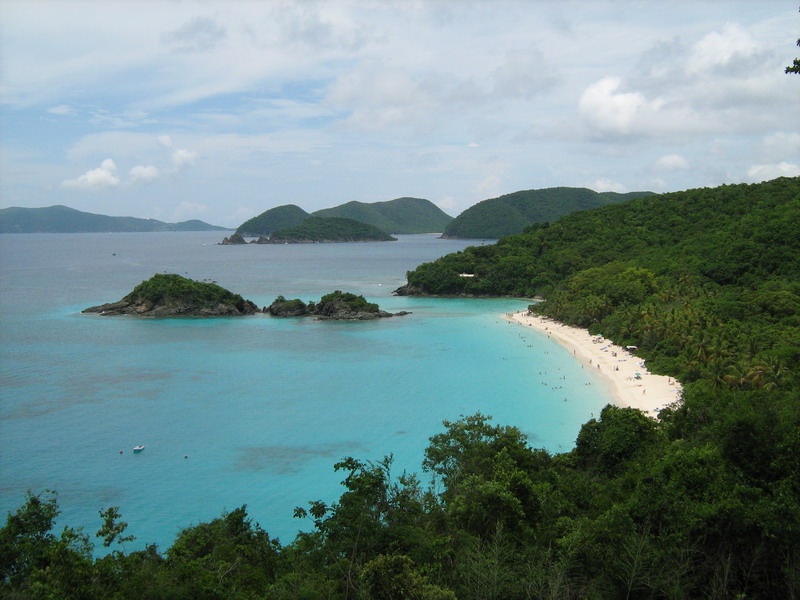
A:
(221, 110)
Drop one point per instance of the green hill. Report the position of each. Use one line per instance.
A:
(273, 219)
(62, 219)
(329, 229)
(401, 215)
(511, 213)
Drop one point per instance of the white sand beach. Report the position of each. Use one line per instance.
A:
(631, 383)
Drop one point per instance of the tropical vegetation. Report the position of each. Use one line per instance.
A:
(511, 213)
(273, 219)
(330, 229)
(703, 502)
(401, 215)
(335, 305)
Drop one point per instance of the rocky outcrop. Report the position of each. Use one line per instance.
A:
(164, 296)
(407, 290)
(234, 240)
(287, 308)
(339, 306)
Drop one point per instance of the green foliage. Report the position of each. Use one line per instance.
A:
(330, 229)
(273, 219)
(511, 213)
(112, 528)
(34, 562)
(164, 288)
(393, 577)
(282, 307)
(705, 281)
(402, 215)
(337, 301)
(230, 557)
(620, 435)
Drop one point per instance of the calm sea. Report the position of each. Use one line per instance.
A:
(251, 410)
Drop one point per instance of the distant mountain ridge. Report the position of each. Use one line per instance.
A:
(511, 213)
(62, 219)
(401, 215)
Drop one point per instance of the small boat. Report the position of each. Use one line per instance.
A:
(137, 449)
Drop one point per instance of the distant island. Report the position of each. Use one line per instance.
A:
(62, 219)
(489, 219)
(511, 213)
(170, 295)
(274, 219)
(337, 305)
(319, 230)
(401, 215)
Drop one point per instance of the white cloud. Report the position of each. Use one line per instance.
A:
(606, 185)
(63, 110)
(165, 141)
(719, 49)
(610, 111)
(182, 158)
(196, 35)
(758, 173)
(144, 174)
(672, 162)
(95, 179)
(778, 146)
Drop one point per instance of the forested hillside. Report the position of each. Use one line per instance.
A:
(680, 273)
(511, 213)
(273, 219)
(329, 229)
(702, 503)
(401, 215)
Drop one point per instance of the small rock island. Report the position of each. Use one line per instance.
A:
(169, 295)
(338, 305)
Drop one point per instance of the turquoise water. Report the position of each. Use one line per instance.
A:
(253, 410)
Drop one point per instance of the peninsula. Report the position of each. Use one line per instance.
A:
(169, 295)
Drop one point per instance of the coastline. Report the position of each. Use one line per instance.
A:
(630, 383)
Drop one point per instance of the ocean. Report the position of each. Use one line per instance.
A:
(251, 410)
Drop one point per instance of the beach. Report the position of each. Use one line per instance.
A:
(631, 384)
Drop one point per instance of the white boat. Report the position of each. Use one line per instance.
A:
(137, 449)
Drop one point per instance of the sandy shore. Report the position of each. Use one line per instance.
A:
(631, 383)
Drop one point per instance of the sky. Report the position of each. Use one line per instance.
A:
(220, 110)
